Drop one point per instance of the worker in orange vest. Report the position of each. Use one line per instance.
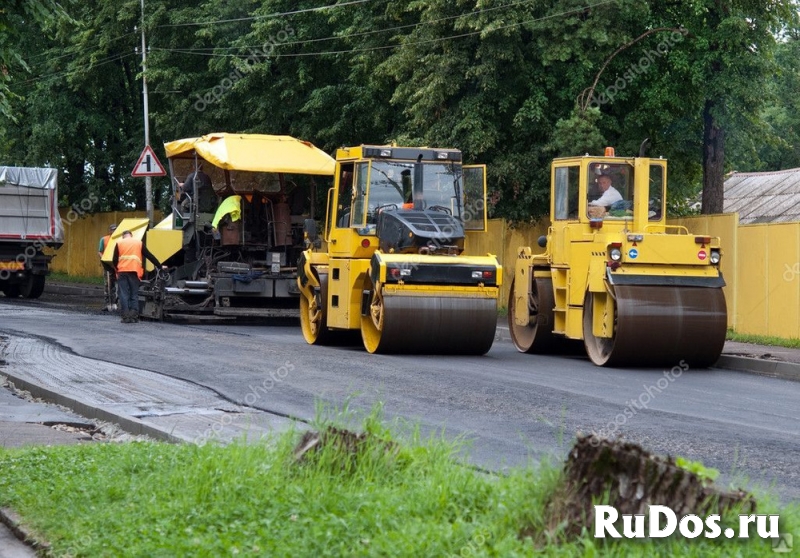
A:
(129, 254)
(109, 276)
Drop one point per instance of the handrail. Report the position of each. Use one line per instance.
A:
(677, 227)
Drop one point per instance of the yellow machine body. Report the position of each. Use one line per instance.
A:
(232, 242)
(392, 266)
(634, 289)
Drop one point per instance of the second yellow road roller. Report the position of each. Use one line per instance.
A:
(637, 291)
(390, 261)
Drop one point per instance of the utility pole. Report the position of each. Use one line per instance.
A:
(148, 182)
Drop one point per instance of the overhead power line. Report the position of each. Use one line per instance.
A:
(267, 16)
(204, 52)
(47, 53)
(367, 33)
(90, 66)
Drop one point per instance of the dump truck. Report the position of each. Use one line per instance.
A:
(29, 223)
(615, 275)
(390, 261)
(235, 233)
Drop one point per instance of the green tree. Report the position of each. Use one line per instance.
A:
(16, 18)
(774, 143)
(81, 110)
(726, 58)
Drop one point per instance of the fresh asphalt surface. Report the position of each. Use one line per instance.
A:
(511, 407)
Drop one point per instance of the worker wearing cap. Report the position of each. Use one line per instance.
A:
(129, 254)
(109, 277)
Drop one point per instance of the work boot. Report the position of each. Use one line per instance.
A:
(134, 317)
(126, 317)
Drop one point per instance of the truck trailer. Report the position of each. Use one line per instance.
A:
(29, 223)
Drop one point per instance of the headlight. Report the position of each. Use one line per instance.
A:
(615, 254)
(715, 257)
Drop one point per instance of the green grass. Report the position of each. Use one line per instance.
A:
(409, 499)
(763, 340)
(58, 277)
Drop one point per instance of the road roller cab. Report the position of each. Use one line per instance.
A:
(392, 263)
(636, 290)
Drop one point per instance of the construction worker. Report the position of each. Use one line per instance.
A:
(109, 277)
(128, 262)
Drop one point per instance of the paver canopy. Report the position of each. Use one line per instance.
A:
(256, 153)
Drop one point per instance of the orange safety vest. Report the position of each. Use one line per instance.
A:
(106, 240)
(130, 256)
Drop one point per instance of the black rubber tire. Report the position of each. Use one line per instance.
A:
(33, 287)
(537, 337)
(11, 291)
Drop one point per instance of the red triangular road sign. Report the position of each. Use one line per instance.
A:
(148, 164)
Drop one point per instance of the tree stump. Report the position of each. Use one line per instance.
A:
(631, 479)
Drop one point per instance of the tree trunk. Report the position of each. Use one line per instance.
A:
(713, 162)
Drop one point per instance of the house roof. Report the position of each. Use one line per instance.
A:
(764, 197)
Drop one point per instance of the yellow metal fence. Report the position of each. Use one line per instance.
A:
(760, 263)
(82, 233)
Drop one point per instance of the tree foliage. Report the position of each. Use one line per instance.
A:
(712, 83)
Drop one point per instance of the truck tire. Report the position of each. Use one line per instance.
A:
(11, 291)
(33, 287)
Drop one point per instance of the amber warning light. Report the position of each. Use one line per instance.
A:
(609, 152)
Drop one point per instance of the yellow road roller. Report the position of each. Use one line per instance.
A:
(637, 291)
(390, 261)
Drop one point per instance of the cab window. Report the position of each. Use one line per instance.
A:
(567, 181)
(360, 194)
(345, 195)
(610, 188)
(654, 211)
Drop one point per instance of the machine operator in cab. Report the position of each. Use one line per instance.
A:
(610, 195)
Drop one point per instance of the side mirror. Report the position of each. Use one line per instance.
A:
(542, 242)
(310, 232)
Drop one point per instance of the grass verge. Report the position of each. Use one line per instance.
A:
(763, 340)
(388, 499)
(64, 278)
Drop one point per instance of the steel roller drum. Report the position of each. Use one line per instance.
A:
(434, 325)
(667, 326)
